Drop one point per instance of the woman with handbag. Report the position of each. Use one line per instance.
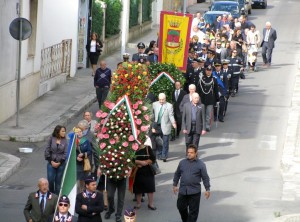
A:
(94, 49)
(56, 154)
(144, 181)
(84, 155)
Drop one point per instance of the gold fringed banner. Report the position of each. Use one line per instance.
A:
(174, 38)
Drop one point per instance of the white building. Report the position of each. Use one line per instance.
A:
(46, 61)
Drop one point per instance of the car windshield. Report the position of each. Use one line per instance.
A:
(210, 18)
(227, 8)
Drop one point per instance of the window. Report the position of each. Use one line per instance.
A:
(33, 7)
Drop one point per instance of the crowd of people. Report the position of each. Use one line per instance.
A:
(218, 56)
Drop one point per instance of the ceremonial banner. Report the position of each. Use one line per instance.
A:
(174, 38)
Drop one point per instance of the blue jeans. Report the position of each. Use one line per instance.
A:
(54, 176)
(163, 153)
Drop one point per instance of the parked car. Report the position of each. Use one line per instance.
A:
(210, 16)
(259, 4)
(228, 6)
(243, 4)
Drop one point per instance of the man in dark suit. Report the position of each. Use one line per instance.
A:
(89, 203)
(40, 206)
(192, 121)
(268, 43)
(153, 58)
(177, 97)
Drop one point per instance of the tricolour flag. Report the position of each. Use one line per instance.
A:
(69, 185)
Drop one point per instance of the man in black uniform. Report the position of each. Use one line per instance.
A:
(209, 95)
(236, 66)
(222, 81)
(210, 61)
(226, 72)
(137, 57)
(89, 203)
(193, 74)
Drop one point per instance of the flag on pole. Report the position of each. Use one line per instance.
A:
(174, 36)
(69, 181)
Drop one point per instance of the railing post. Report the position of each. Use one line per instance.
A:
(63, 56)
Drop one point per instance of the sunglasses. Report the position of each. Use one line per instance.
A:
(63, 204)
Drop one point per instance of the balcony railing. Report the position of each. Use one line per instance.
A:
(56, 60)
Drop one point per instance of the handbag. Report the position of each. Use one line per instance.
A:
(153, 166)
(86, 164)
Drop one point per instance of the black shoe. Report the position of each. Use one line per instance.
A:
(221, 120)
(207, 130)
(165, 160)
(172, 139)
(143, 199)
(134, 199)
(107, 214)
(118, 219)
(151, 208)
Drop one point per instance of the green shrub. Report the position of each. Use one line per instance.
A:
(113, 17)
(146, 9)
(134, 17)
(97, 17)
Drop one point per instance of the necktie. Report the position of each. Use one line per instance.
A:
(62, 219)
(160, 114)
(267, 35)
(177, 94)
(90, 195)
(42, 203)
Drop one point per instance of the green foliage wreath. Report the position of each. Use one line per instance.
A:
(164, 85)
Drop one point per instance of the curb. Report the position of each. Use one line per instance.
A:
(9, 166)
(64, 119)
(288, 218)
(290, 164)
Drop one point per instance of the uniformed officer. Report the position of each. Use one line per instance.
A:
(209, 95)
(62, 213)
(189, 67)
(210, 61)
(193, 74)
(137, 56)
(222, 81)
(89, 203)
(226, 72)
(236, 65)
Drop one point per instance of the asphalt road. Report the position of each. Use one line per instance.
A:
(242, 155)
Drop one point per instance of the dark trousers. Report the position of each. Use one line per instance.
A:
(101, 94)
(178, 119)
(266, 52)
(192, 138)
(112, 185)
(188, 206)
(221, 107)
(54, 176)
(234, 82)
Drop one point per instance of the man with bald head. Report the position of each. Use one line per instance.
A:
(164, 119)
(102, 82)
(268, 43)
(192, 121)
(40, 206)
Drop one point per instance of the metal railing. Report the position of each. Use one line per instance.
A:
(56, 60)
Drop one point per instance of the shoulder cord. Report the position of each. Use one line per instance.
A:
(207, 84)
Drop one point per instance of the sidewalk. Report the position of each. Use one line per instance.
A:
(64, 103)
(61, 105)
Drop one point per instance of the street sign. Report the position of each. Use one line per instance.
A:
(20, 25)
